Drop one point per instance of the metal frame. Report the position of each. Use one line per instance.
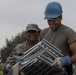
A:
(44, 51)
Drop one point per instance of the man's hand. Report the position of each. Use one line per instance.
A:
(61, 62)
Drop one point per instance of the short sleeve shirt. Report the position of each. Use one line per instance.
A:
(61, 38)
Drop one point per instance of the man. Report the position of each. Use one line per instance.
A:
(32, 35)
(32, 38)
(60, 36)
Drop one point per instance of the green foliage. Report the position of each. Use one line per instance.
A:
(11, 44)
(1, 68)
(1, 72)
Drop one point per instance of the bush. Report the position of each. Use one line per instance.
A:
(1, 72)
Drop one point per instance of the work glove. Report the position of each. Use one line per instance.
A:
(61, 62)
(5, 69)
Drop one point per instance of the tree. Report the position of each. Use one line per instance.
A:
(11, 44)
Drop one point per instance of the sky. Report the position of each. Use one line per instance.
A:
(15, 15)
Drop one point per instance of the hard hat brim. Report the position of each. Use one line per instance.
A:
(51, 16)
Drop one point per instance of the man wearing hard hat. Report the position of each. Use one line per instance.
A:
(61, 36)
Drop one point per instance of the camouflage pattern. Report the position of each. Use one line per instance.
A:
(32, 27)
(21, 48)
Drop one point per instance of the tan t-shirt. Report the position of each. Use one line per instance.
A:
(61, 38)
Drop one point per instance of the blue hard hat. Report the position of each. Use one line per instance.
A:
(53, 10)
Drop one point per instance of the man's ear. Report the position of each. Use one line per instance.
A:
(61, 17)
